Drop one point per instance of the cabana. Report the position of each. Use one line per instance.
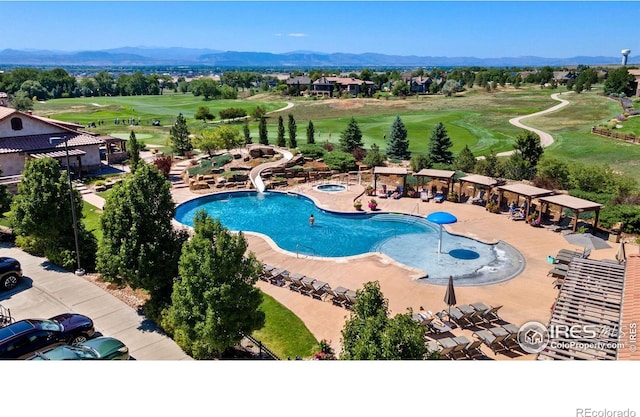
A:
(529, 192)
(590, 299)
(479, 182)
(440, 174)
(389, 171)
(576, 205)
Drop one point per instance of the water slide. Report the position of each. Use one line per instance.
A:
(254, 175)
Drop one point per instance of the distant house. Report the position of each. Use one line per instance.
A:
(299, 83)
(562, 77)
(25, 136)
(636, 73)
(4, 99)
(330, 85)
(419, 84)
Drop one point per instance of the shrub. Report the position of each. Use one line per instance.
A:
(359, 154)
(311, 151)
(629, 215)
(232, 113)
(163, 163)
(328, 146)
(340, 161)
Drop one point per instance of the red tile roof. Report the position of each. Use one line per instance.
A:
(32, 143)
(630, 308)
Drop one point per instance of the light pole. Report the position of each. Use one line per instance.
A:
(79, 271)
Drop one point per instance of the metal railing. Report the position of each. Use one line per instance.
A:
(264, 351)
(416, 209)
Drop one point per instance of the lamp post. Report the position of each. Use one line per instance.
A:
(79, 271)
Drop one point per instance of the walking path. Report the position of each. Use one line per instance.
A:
(545, 138)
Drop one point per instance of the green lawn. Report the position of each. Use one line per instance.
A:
(91, 219)
(284, 333)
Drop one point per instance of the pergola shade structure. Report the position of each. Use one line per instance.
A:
(441, 174)
(478, 181)
(575, 204)
(590, 301)
(529, 192)
(390, 171)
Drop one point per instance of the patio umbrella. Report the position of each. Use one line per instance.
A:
(450, 295)
(440, 218)
(621, 255)
(587, 241)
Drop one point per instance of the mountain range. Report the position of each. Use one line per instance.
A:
(147, 56)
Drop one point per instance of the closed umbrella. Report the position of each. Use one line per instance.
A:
(450, 295)
(621, 255)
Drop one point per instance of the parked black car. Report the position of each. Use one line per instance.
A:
(10, 273)
(22, 338)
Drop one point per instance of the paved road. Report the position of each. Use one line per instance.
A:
(48, 290)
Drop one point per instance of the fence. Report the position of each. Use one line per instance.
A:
(624, 136)
(264, 351)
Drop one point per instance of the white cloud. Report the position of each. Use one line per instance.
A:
(278, 34)
(297, 35)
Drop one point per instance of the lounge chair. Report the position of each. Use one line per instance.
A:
(451, 348)
(435, 323)
(461, 318)
(444, 352)
(350, 295)
(397, 193)
(382, 193)
(492, 341)
(473, 351)
(278, 276)
(423, 319)
(296, 282)
(439, 197)
(560, 225)
(489, 314)
(320, 290)
(479, 198)
(307, 286)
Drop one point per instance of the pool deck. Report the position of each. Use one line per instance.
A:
(527, 297)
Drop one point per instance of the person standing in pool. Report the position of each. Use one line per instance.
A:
(312, 220)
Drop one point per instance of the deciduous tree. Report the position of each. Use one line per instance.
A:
(42, 219)
(140, 247)
(204, 113)
(370, 334)
(214, 302)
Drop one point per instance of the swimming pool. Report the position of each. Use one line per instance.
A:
(407, 239)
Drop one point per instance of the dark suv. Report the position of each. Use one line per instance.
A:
(22, 338)
(10, 273)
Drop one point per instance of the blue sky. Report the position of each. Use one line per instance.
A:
(423, 28)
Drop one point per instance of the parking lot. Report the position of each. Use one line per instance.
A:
(47, 290)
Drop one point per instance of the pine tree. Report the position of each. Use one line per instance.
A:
(351, 137)
(134, 151)
(293, 143)
(180, 136)
(440, 145)
(247, 132)
(465, 161)
(262, 129)
(398, 147)
(311, 132)
(281, 142)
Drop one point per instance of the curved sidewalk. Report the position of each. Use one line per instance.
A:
(48, 290)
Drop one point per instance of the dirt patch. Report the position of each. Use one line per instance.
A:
(133, 298)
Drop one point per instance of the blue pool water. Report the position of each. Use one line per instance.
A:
(331, 188)
(407, 239)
